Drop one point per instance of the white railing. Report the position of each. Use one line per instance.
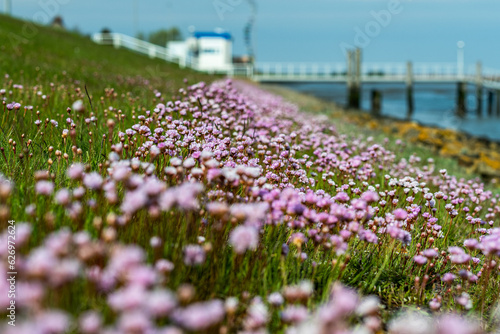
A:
(124, 41)
(303, 69)
(155, 51)
(312, 70)
(367, 69)
(371, 72)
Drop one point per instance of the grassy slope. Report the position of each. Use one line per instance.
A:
(57, 56)
(60, 65)
(45, 54)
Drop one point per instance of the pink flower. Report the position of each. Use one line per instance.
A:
(160, 303)
(293, 314)
(200, 316)
(134, 201)
(460, 258)
(257, 316)
(244, 238)
(412, 322)
(430, 253)
(93, 181)
(194, 255)
(400, 214)
(164, 266)
(53, 322)
(23, 232)
(186, 195)
(44, 187)
(135, 321)
(455, 324)
(75, 171)
(65, 271)
(420, 260)
(369, 196)
(275, 299)
(471, 243)
(78, 106)
(342, 197)
(448, 278)
(63, 196)
(127, 298)
(90, 322)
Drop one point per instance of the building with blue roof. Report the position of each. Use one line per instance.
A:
(209, 51)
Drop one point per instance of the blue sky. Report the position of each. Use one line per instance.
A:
(305, 30)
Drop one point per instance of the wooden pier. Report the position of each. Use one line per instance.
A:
(353, 73)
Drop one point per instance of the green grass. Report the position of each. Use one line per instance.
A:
(38, 55)
(123, 85)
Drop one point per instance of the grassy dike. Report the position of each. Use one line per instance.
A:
(221, 208)
(35, 54)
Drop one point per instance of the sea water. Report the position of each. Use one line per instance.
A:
(434, 104)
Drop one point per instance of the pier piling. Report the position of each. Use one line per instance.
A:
(490, 103)
(498, 103)
(479, 88)
(376, 102)
(354, 78)
(461, 94)
(409, 90)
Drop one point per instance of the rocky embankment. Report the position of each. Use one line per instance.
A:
(477, 155)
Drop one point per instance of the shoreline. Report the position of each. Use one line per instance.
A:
(478, 155)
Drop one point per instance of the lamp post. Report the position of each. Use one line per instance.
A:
(460, 59)
(461, 87)
(135, 10)
(7, 7)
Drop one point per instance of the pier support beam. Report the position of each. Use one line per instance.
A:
(461, 94)
(490, 103)
(479, 88)
(376, 102)
(498, 103)
(409, 90)
(354, 79)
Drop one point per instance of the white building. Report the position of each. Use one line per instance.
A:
(205, 51)
(178, 51)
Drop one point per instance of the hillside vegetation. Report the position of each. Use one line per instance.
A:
(154, 205)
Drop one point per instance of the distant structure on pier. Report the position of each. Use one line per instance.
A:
(208, 51)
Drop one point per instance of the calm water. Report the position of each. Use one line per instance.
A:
(434, 104)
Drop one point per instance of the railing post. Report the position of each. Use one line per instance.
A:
(409, 90)
(479, 88)
(315, 69)
(116, 41)
(152, 51)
